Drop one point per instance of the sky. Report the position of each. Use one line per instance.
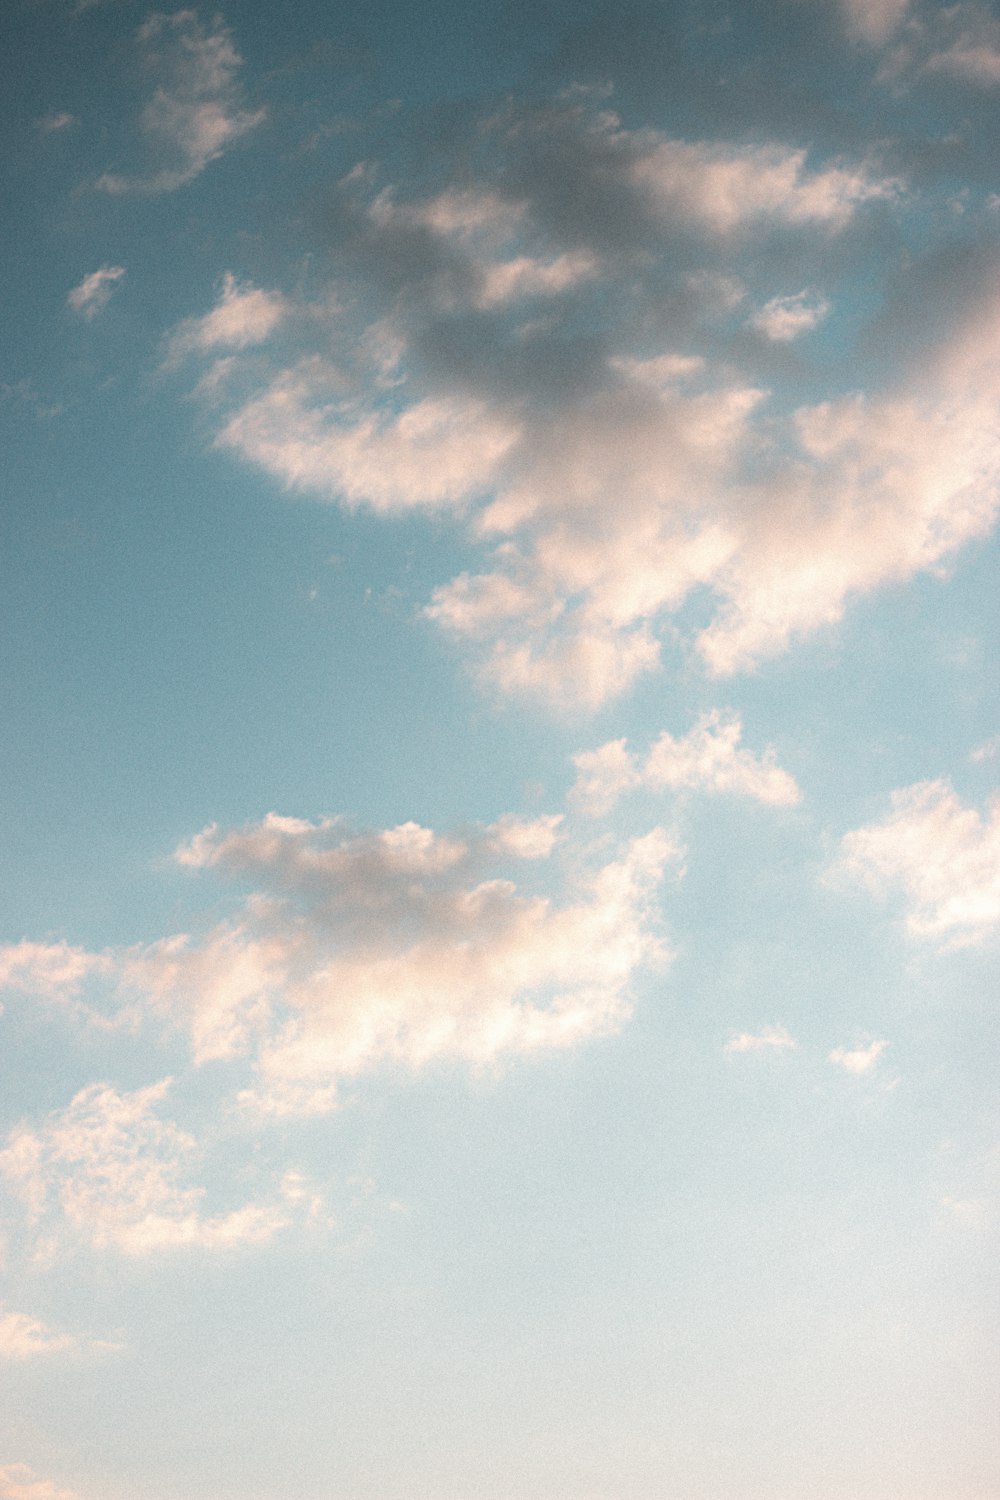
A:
(500, 873)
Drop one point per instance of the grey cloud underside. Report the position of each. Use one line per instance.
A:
(586, 349)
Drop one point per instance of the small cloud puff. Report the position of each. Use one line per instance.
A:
(708, 758)
(244, 316)
(858, 1059)
(94, 292)
(61, 120)
(784, 318)
(944, 856)
(23, 1337)
(770, 1039)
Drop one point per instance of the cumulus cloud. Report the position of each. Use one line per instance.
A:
(771, 1038)
(858, 1059)
(195, 113)
(19, 1482)
(109, 1171)
(94, 292)
(785, 318)
(708, 758)
(400, 946)
(244, 316)
(943, 856)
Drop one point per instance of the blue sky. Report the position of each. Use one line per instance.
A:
(501, 849)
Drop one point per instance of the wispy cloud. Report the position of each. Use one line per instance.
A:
(195, 113)
(942, 855)
(110, 1171)
(94, 292)
(771, 1038)
(60, 120)
(54, 970)
(23, 1337)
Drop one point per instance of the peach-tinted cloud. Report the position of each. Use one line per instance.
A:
(942, 855)
(771, 1038)
(19, 1482)
(401, 946)
(708, 758)
(108, 1170)
(858, 1059)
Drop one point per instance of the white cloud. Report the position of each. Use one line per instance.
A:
(195, 112)
(19, 1482)
(53, 970)
(988, 750)
(858, 1059)
(244, 316)
(437, 452)
(724, 188)
(23, 1337)
(94, 292)
(944, 856)
(771, 1038)
(400, 946)
(109, 1171)
(786, 318)
(708, 758)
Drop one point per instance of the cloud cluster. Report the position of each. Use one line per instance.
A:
(942, 855)
(708, 758)
(497, 350)
(351, 951)
(109, 1171)
(195, 113)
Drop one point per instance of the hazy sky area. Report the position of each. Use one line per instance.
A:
(500, 877)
